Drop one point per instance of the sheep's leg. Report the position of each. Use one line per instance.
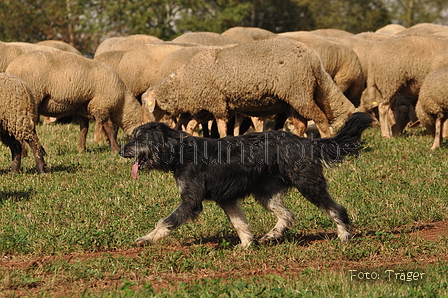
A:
(259, 123)
(83, 128)
(284, 215)
(300, 124)
(191, 127)
(383, 111)
(222, 127)
(98, 133)
(38, 153)
(237, 126)
(110, 132)
(314, 113)
(438, 134)
(16, 151)
(239, 222)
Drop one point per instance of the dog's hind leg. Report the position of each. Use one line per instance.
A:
(284, 215)
(187, 210)
(316, 193)
(239, 222)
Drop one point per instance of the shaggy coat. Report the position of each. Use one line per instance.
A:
(399, 65)
(18, 118)
(432, 105)
(226, 170)
(259, 78)
(65, 84)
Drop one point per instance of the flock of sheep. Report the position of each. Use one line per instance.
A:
(322, 75)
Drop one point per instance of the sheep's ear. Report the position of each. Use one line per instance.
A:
(149, 101)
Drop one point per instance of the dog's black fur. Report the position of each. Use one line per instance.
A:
(226, 170)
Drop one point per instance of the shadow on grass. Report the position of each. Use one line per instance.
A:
(16, 196)
(70, 168)
(302, 240)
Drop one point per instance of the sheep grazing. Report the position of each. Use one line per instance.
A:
(340, 61)
(65, 84)
(205, 38)
(18, 118)
(248, 34)
(125, 43)
(260, 78)
(432, 104)
(399, 65)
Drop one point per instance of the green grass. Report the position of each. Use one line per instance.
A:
(82, 217)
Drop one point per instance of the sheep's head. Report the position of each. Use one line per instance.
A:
(150, 110)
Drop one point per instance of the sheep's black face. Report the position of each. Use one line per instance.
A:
(153, 146)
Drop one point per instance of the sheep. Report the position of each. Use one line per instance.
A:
(391, 29)
(125, 43)
(60, 45)
(10, 50)
(423, 29)
(259, 78)
(18, 118)
(138, 68)
(205, 38)
(248, 34)
(170, 64)
(398, 65)
(66, 84)
(339, 61)
(432, 104)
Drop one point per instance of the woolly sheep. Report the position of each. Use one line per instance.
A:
(205, 38)
(423, 29)
(399, 65)
(66, 84)
(10, 50)
(391, 29)
(138, 68)
(18, 118)
(339, 61)
(259, 78)
(248, 34)
(432, 104)
(125, 43)
(60, 45)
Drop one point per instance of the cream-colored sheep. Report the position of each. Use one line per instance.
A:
(432, 104)
(391, 29)
(60, 45)
(18, 118)
(423, 29)
(248, 34)
(66, 84)
(10, 50)
(125, 43)
(205, 39)
(139, 68)
(340, 61)
(259, 78)
(399, 65)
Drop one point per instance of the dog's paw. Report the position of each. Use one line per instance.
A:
(270, 238)
(142, 241)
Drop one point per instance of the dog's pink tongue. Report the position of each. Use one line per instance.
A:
(134, 172)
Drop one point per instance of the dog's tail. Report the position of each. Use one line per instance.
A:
(347, 141)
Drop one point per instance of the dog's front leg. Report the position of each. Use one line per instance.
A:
(239, 222)
(284, 215)
(187, 210)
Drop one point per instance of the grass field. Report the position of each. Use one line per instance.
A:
(70, 232)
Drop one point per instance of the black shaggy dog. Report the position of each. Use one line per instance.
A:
(226, 170)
